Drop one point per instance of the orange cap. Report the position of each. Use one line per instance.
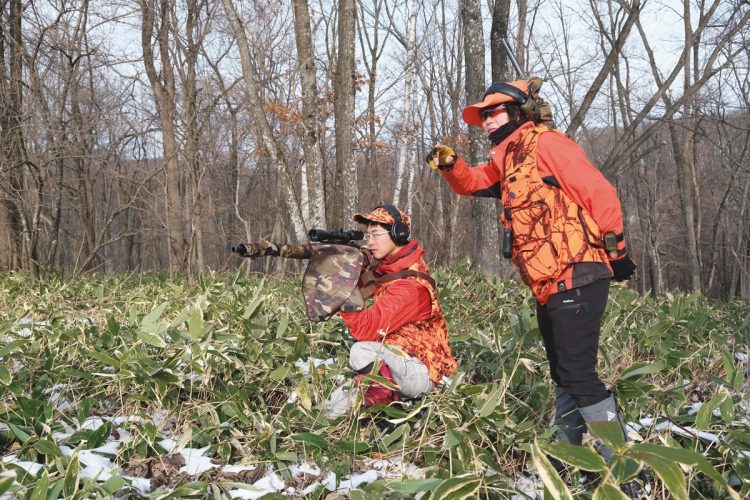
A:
(381, 216)
(471, 112)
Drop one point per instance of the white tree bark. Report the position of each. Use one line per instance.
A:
(406, 121)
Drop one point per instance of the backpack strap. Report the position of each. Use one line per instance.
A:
(405, 273)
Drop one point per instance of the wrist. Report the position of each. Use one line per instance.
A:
(448, 166)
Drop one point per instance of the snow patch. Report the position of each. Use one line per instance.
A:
(304, 366)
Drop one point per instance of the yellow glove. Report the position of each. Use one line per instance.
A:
(442, 157)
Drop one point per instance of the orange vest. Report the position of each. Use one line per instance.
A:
(550, 231)
(426, 340)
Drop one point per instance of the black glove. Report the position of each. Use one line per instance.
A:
(623, 268)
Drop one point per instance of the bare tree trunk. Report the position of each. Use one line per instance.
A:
(261, 122)
(523, 6)
(645, 205)
(163, 85)
(406, 129)
(310, 117)
(11, 138)
(499, 31)
(484, 211)
(410, 180)
(686, 159)
(344, 111)
(375, 50)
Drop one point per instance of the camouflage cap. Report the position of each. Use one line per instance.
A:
(381, 216)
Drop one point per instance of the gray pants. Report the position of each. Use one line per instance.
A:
(411, 375)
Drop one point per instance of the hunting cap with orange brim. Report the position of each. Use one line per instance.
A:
(471, 113)
(381, 216)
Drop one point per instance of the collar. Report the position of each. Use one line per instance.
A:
(402, 259)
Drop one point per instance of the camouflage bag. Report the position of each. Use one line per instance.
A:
(330, 281)
(331, 278)
(543, 109)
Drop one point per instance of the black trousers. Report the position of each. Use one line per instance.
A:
(570, 323)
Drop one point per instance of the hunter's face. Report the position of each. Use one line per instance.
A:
(494, 118)
(379, 242)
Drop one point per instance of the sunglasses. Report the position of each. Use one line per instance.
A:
(491, 112)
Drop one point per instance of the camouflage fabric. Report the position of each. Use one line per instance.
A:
(330, 280)
(270, 249)
(544, 109)
(331, 277)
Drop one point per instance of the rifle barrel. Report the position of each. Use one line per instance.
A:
(511, 56)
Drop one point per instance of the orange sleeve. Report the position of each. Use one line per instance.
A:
(560, 157)
(482, 180)
(405, 301)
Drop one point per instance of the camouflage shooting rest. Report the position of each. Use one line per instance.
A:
(330, 280)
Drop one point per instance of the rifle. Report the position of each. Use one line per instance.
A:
(535, 107)
(511, 56)
(335, 264)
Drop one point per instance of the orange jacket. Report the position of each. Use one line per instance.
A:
(559, 160)
(406, 313)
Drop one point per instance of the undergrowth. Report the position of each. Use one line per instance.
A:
(218, 359)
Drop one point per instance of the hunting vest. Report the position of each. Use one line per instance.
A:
(426, 340)
(550, 231)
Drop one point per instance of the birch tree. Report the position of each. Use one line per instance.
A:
(406, 134)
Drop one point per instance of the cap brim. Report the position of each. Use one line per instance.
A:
(471, 113)
(370, 219)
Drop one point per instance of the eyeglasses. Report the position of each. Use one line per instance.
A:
(370, 236)
(486, 113)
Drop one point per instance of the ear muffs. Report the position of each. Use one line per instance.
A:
(528, 106)
(399, 230)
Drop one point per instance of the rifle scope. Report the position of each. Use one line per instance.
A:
(239, 249)
(340, 235)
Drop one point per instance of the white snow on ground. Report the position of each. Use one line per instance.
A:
(693, 408)
(690, 432)
(24, 327)
(142, 484)
(56, 397)
(531, 486)
(97, 463)
(195, 462)
(30, 467)
(304, 468)
(304, 366)
(270, 483)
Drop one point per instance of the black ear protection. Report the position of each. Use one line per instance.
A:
(526, 104)
(399, 230)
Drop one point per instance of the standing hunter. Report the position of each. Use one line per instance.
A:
(563, 230)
